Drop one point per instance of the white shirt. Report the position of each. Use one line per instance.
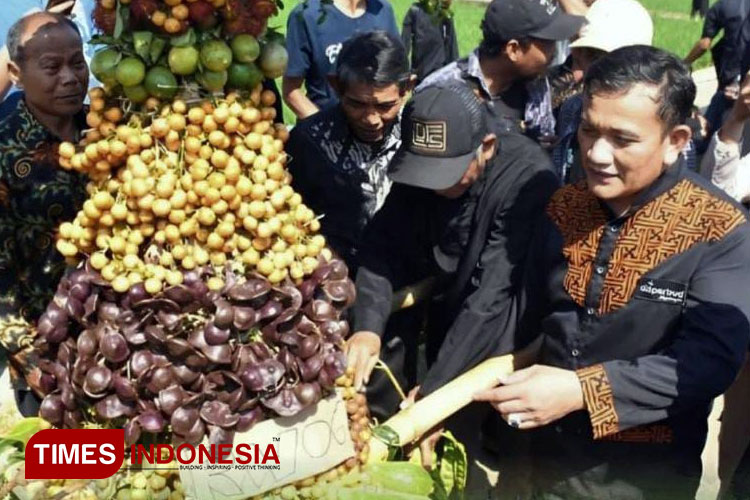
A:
(723, 165)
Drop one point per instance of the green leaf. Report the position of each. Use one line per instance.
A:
(389, 437)
(185, 40)
(274, 35)
(23, 430)
(453, 467)
(386, 434)
(122, 19)
(142, 43)
(102, 40)
(156, 48)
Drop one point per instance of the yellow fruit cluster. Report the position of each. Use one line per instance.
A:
(200, 186)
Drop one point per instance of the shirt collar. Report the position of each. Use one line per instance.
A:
(474, 69)
(392, 139)
(24, 112)
(666, 181)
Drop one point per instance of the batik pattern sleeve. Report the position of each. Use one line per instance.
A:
(14, 329)
(701, 361)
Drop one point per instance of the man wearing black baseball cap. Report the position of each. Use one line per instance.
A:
(518, 43)
(460, 212)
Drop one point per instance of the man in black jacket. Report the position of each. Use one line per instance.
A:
(461, 211)
(430, 36)
(638, 292)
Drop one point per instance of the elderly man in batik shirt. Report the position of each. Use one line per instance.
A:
(36, 195)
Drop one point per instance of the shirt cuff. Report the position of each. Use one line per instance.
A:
(599, 400)
(365, 322)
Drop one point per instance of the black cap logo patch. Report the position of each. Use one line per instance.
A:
(429, 135)
(550, 6)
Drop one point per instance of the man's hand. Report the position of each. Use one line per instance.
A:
(535, 396)
(362, 351)
(741, 108)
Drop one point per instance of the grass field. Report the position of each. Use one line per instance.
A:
(674, 30)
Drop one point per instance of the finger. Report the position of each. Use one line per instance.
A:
(528, 424)
(513, 406)
(369, 367)
(351, 355)
(518, 420)
(359, 370)
(352, 359)
(500, 394)
(516, 377)
(426, 451)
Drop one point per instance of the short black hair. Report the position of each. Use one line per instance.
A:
(621, 69)
(16, 31)
(376, 58)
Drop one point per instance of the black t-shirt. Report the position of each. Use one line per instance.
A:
(432, 42)
(727, 15)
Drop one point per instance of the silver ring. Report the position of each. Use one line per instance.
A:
(515, 420)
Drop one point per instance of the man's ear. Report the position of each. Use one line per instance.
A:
(489, 146)
(14, 72)
(513, 50)
(678, 138)
(333, 81)
(410, 83)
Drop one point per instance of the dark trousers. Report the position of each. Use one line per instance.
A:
(569, 466)
(741, 481)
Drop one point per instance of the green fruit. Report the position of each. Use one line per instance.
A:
(137, 93)
(130, 71)
(273, 60)
(104, 65)
(183, 60)
(213, 81)
(216, 55)
(245, 48)
(160, 83)
(244, 76)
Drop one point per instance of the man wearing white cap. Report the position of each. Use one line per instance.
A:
(611, 24)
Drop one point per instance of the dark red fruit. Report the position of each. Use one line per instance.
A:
(202, 15)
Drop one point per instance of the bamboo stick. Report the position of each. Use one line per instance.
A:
(413, 422)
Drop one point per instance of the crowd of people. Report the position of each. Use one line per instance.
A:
(583, 214)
